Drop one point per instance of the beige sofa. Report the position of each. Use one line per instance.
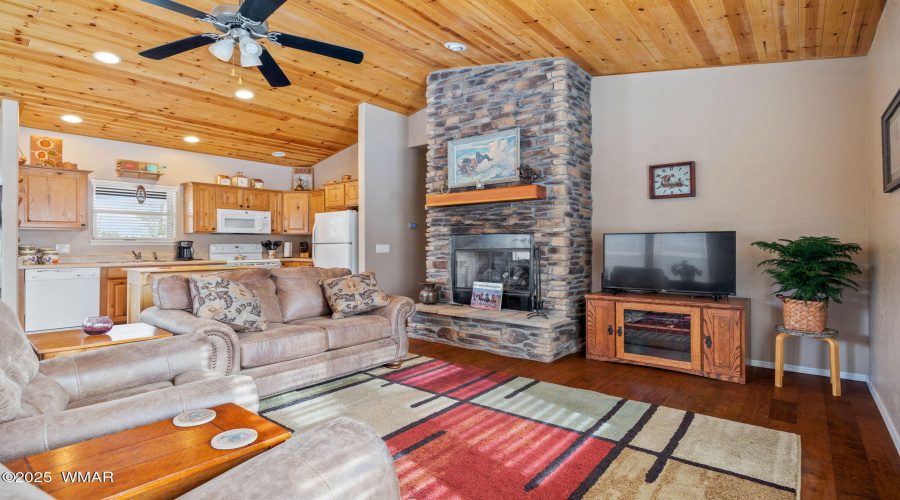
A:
(302, 345)
(339, 460)
(60, 401)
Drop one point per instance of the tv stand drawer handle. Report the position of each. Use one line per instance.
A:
(609, 330)
(708, 341)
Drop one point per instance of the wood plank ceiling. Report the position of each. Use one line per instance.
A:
(46, 62)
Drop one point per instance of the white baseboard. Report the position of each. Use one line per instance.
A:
(810, 371)
(892, 429)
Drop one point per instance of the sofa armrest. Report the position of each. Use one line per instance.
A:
(398, 312)
(220, 335)
(28, 436)
(341, 459)
(116, 368)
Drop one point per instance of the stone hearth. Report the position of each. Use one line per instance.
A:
(549, 101)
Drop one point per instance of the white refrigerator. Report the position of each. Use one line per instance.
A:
(334, 240)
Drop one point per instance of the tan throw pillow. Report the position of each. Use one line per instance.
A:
(353, 294)
(228, 302)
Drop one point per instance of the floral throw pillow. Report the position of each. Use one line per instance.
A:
(228, 302)
(353, 294)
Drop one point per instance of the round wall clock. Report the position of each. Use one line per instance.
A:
(672, 180)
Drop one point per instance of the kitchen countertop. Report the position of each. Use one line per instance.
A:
(147, 263)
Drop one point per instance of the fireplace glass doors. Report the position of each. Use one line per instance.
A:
(494, 258)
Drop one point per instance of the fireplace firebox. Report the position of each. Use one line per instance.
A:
(494, 258)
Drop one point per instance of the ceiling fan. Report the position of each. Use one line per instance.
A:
(242, 25)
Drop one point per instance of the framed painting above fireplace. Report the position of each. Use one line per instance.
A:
(484, 159)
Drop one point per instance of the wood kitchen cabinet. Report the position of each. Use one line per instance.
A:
(114, 294)
(692, 335)
(277, 209)
(341, 195)
(296, 212)
(236, 198)
(200, 203)
(316, 206)
(54, 198)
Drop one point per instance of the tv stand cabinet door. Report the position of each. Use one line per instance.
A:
(723, 353)
(601, 328)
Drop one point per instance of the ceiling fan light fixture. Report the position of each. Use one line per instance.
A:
(244, 94)
(278, 153)
(191, 139)
(223, 49)
(250, 52)
(71, 118)
(455, 46)
(107, 57)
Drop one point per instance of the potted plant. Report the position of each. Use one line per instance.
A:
(816, 270)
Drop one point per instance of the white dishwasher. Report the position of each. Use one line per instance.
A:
(60, 298)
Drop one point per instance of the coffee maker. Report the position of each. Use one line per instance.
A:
(184, 250)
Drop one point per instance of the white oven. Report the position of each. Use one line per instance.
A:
(243, 221)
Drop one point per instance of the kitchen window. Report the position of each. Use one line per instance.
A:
(120, 218)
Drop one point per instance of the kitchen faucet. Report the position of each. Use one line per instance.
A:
(137, 255)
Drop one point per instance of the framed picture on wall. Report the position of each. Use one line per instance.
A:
(484, 159)
(302, 179)
(890, 144)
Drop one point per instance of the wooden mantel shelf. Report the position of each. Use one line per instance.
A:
(499, 195)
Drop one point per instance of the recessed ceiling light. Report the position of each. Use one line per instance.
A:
(107, 57)
(244, 94)
(191, 138)
(71, 118)
(455, 46)
(278, 153)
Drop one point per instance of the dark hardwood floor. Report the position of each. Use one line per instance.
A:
(847, 450)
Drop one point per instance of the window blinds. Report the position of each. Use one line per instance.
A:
(118, 217)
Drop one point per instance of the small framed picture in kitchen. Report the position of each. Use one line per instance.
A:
(303, 179)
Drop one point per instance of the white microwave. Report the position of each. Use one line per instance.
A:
(243, 221)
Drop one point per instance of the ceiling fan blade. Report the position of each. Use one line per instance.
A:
(271, 71)
(259, 10)
(179, 8)
(316, 47)
(179, 46)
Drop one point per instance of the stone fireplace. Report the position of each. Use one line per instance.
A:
(548, 100)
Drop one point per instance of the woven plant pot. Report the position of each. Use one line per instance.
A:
(807, 316)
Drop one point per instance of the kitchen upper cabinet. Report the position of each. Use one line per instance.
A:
(277, 210)
(229, 198)
(341, 195)
(296, 212)
(316, 206)
(254, 199)
(200, 202)
(54, 198)
(351, 194)
(334, 195)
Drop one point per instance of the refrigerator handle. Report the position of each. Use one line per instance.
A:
(314, 231)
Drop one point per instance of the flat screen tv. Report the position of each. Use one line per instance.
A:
(692, 263)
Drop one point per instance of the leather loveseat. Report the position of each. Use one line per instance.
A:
(302, 344)
(48, 404)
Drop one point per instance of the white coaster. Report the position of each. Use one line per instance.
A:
(194, 417)
(235, 438)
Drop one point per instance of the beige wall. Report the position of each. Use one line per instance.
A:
(344, 162)
(392, 195)
(883, 71)
(9, 168)
(780, 153)
(100, 155)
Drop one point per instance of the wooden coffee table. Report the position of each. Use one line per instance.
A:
(65, 342)
(154, 461)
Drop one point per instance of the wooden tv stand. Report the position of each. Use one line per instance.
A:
(676, 332)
